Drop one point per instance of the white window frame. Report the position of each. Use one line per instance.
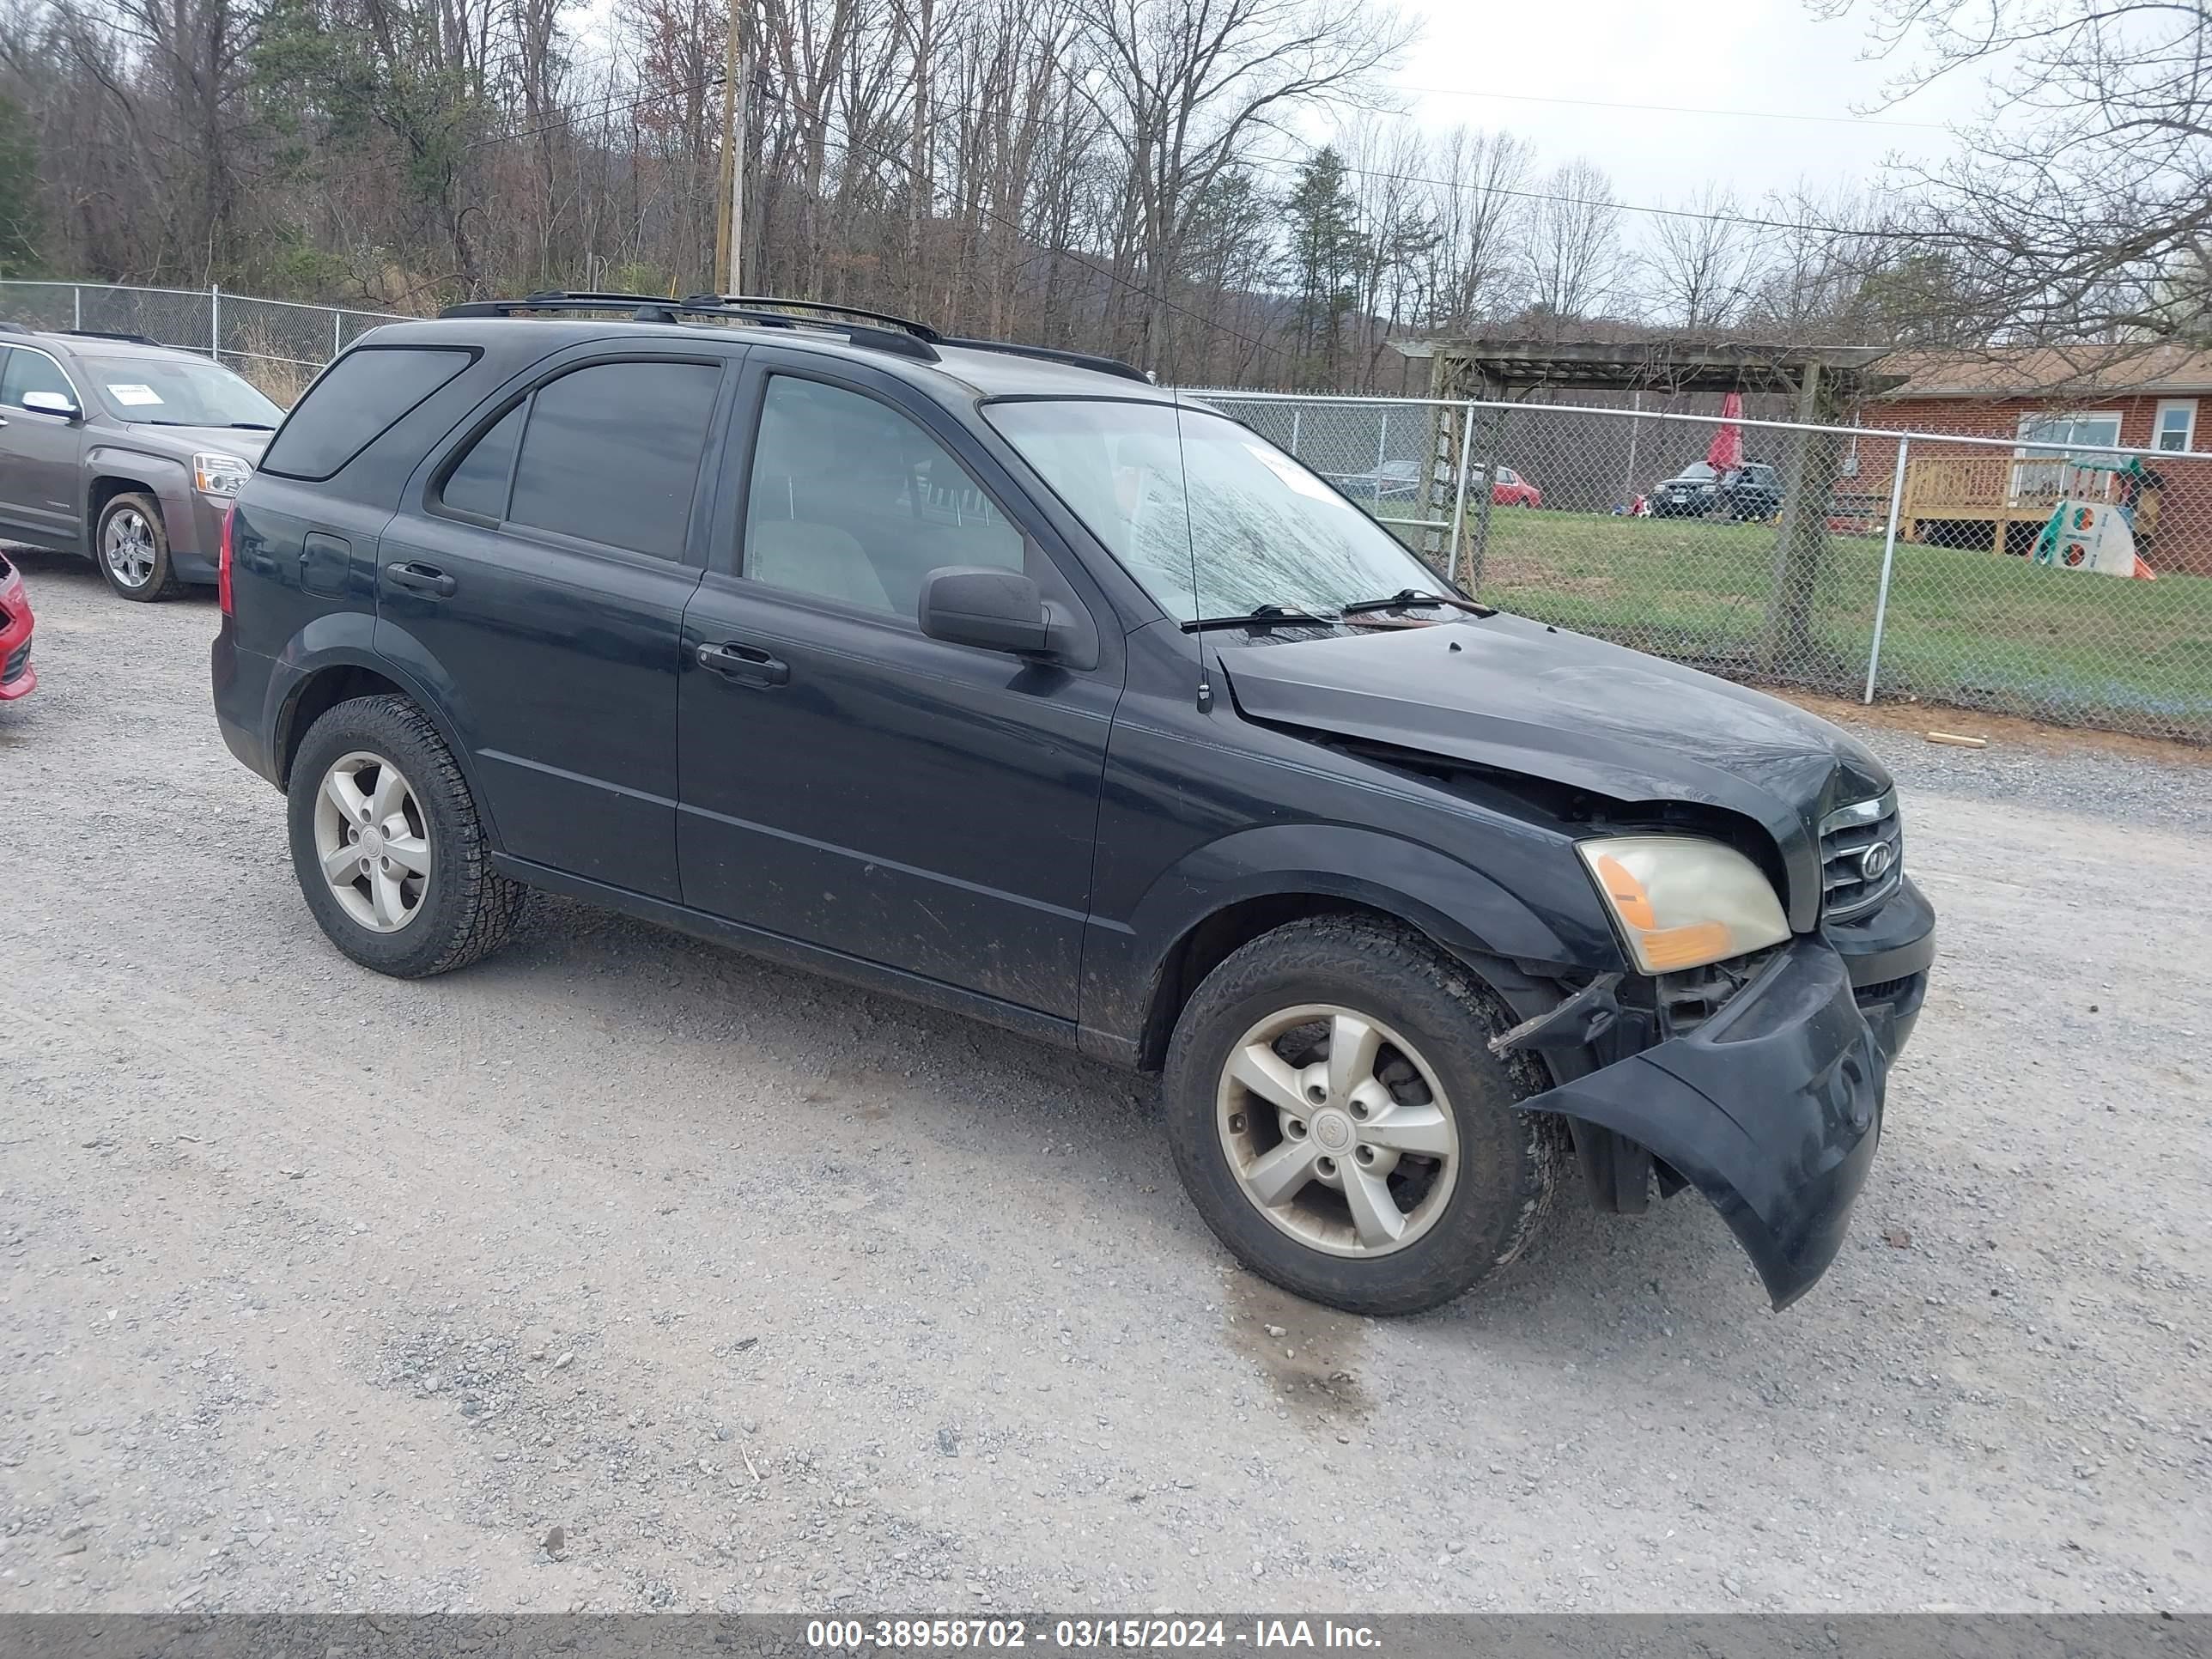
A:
(2158, 423)
(2042, 471)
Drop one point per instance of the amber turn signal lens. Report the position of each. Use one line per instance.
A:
(1630, 902)
(1687, 947)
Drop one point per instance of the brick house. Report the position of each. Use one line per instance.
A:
(2154, 397)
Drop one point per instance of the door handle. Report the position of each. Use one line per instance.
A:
(421, 579)
(747, 664)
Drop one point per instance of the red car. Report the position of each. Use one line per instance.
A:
(1509, 489)
(16, 678)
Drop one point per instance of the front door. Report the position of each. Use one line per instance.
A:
(39, 452)
(847, 781)
(538, 584)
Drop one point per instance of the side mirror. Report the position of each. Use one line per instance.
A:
(50, 403)
(996, 610)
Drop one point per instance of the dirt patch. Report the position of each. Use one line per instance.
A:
(1311, 1353)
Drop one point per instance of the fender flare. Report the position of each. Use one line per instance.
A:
(164, 474)
(353, 639)
(1448, 898)
(1451, 902)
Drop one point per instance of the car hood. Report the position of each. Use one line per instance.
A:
(186, 441)
(1515, 695)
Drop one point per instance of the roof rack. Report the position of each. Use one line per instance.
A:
(107, 334)
(8, 325)
(818, 308)
(648, 308)
(878, 330)
(1089, 360)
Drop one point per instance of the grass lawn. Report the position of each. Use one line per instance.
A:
(1970, 628)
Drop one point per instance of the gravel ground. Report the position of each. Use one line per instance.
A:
(748, 1290)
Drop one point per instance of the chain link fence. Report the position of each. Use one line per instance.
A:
(277, 344)
(2066, 584)
(2063, 584)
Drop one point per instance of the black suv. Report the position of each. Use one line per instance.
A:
(996, 678)
(1752, 491)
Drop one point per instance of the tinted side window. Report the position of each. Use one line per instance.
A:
(852, 500)
(31, 371)
(361, 395)
(479, 483)
(611, 454)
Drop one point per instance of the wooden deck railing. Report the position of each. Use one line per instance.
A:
(2002, 490)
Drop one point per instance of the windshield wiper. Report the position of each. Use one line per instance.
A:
(252, 426)
(1409, 598)
(1262, 616)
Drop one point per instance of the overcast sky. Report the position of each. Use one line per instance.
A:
(1746, 55)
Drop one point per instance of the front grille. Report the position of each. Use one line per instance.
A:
(18, 661)
(1848, 836)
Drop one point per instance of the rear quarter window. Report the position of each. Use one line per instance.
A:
(355, 403)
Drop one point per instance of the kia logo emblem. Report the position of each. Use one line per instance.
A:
(1874, 862)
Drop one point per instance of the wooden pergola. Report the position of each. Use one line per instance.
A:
(1824, 384)
(1820, 378)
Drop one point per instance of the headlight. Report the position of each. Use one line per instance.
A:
(219, 475)
(1682, 902)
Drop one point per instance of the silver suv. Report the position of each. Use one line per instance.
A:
(125, 451)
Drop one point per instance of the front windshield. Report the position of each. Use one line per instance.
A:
(178, 391)
(1211, 519)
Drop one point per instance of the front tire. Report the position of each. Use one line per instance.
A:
(1341, 1125)
(132, 546)
(389, 852)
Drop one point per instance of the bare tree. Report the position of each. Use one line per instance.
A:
(1386, 159)
(1575, 263)
(1479, 213)
(1699, 263)
(2081, 207)
(1187, 86)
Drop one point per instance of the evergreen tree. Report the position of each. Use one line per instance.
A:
(1326, 254)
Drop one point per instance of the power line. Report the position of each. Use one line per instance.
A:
(848, 146)
(1283, 165)
(604, 107)
(1515, 193)
(1676, 109)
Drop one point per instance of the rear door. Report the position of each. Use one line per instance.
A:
(542, 562)
(304, 533)
(40, 451)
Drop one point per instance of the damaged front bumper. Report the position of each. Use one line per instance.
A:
(1771, 1108)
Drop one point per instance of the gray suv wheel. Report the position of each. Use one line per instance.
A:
(132, 546)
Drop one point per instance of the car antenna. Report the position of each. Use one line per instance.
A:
(1190, 545)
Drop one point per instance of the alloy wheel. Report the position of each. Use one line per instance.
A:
(1337, 1130)
(127, 545)
(373, 842)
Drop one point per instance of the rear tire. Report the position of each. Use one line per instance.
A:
(131, 545)
(1415, 1176)
(390, 854)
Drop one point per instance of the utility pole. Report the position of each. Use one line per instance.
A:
(730, 216)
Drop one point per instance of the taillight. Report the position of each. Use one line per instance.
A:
(223, 561)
